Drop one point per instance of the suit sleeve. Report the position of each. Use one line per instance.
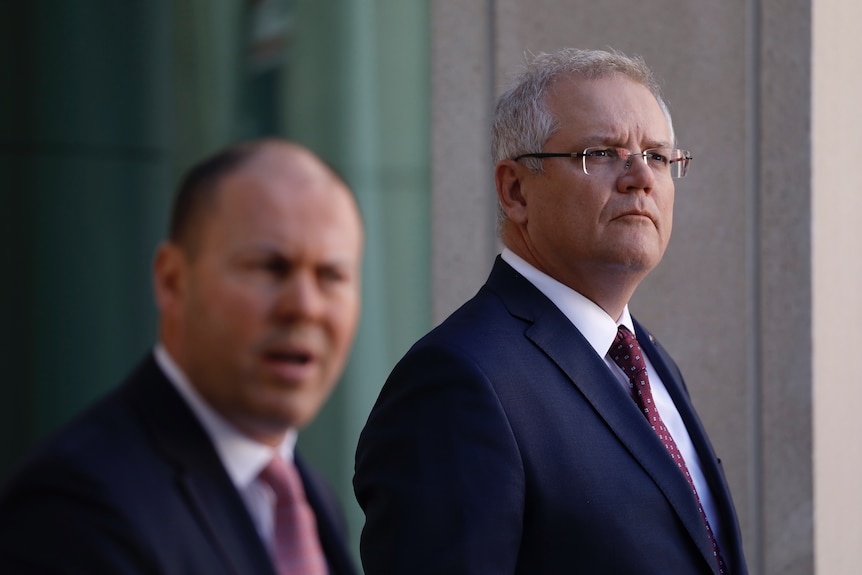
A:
(58, 521)
(438, 472)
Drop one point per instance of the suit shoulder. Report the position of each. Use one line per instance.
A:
(105, 447)
(477, 322)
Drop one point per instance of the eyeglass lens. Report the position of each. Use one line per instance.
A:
(663, 161)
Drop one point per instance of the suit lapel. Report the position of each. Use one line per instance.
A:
(209, 491)
(666, 368)
(552, 332)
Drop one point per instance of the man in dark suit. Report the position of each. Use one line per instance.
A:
(176, 471)
(509, 439)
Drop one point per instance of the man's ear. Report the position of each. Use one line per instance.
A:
(508, 176)
(170, 276)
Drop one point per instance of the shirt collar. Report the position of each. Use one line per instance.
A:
(242, 457)
(597, 327)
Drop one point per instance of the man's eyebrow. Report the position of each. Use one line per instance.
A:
(658, 144)
(338, 262)
(609, 139)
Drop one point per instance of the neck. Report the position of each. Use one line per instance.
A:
(609, 287)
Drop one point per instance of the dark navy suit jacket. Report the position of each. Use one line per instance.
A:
(502, 443)
(134, 486)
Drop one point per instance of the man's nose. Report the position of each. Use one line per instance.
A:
(637, 174)
(300, 297)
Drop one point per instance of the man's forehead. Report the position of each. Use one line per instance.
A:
(606, 110)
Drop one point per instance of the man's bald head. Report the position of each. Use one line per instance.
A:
(198, 191)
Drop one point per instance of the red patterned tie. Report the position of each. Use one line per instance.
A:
(627, 354)
(296, 549)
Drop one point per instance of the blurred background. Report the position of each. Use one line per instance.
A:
(103, 104)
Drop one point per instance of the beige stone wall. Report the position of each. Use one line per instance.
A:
(837, 280)
(761, 266)
(462, 219)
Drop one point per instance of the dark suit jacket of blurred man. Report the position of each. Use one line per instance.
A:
(135, 486)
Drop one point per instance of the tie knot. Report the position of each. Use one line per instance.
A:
(625, 337)
(626, 352)
(282, 477)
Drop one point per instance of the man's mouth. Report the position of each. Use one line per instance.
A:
(296, 357)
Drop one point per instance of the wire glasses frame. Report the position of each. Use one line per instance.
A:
(601, 160)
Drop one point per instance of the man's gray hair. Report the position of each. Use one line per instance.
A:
(522, 121)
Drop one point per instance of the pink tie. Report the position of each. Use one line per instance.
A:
(296, 549)
(626, 353)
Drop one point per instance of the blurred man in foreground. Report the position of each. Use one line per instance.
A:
(189, 467)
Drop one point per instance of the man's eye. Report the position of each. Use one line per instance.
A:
(331, 275)
(277, 267)
(604, 154)
(657, 157)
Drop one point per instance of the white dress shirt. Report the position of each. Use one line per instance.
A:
(242, 457)
(600, 331)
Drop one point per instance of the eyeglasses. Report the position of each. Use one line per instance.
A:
(601, 160)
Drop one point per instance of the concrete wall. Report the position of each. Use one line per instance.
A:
(837, 284)
(757, 228)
